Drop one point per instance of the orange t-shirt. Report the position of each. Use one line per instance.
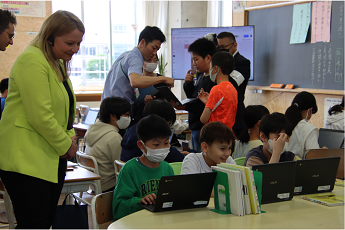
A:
(227, 109)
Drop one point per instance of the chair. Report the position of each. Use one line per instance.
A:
(118, 166)
(240, 161)
(176, 166)
(8, 216)
(324, 153)
(89, 162)
(101, 209)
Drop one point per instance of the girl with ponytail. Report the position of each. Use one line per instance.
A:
(304, 135)
(250, 136)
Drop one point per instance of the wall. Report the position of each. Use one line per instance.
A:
(21, 40)
(273, 100)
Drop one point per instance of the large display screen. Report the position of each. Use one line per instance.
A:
(181, 38)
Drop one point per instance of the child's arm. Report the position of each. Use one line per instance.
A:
(205, 116)
(203, 96)
(148, 199)
(278, 146)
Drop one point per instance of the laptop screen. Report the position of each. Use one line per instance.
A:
(332, 139)
(91, 116)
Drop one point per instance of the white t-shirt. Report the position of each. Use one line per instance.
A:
(195, 163)
(304, 137)
(241, 149)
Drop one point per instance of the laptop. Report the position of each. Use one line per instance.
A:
(316, 175)
(89, 119)
(278, 181)
(332, 139)
(183, 192)
(169, 96)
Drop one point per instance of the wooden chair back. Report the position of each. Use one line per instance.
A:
(118, 166)
(101, 209)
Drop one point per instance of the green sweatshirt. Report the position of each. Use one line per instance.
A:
(133, 183)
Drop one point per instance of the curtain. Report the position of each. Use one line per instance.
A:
(213, 14)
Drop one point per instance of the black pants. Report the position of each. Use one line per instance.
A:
(34, 200)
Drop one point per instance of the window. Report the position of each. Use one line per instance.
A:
(119, 29)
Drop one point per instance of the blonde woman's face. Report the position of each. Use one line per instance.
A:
(65, 46)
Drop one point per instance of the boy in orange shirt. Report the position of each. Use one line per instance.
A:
(221, 102)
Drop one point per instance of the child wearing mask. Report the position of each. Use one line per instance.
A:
(103, 140)
(216, 141)
(138, 180)
(221, 102)
(275, 130)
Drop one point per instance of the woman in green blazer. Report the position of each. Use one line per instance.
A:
(36, 129)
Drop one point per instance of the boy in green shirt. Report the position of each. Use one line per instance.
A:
(138, 180)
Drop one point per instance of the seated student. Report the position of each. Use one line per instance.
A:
(250, 136)
(3, 91)
(103, 140)
(129, 145)
(304, 135)
(216, 140)
(335, 118)
(221, 102)
(138, 180)
(275, 130)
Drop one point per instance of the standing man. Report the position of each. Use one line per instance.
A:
(240, 76)
(7, 23)
(125, 76)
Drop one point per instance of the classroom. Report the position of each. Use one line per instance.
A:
(317, 68)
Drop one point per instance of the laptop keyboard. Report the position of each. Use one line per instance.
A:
(150, 207)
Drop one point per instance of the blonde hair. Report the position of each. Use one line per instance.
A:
(58, 24)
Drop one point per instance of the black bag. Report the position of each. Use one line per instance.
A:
(71, 216)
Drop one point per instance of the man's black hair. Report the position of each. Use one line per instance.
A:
(225, 61)
(203, 47)
(275, 123)
(229, 35)
(151, 127)
(6, 17)
(161, 108)
(113, 106)
(216, 131)
(151, 33)
(3, 85)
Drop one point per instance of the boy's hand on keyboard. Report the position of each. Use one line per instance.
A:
(148, 199)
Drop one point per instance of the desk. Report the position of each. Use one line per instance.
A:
(296, 213)
(80, 129)
(79, 180)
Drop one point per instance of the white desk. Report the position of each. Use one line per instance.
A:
(296, 213)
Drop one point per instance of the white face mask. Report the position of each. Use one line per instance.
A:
(155, 155)
(213, 76)
(150, 67)
(306, 118)
(270, 146)
(123, 122)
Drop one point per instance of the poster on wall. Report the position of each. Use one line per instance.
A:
(25, 8)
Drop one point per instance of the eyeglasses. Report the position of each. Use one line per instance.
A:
(224, 47)
(10, 36)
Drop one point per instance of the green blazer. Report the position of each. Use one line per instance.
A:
(33, 127)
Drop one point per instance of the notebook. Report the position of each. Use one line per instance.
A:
(183, 192)
(278, 180)
(316, 175)
(332, 139)
(169, 96)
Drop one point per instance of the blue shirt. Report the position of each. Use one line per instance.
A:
(117, 84)
(3, 103)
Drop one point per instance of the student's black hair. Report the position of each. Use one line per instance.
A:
(3, 85)
(113, 106)
(6, 17)
(302, 101)
(251, 115)
(275, 123)
(227, 35)
(152, 126)
(337, 108)
(161, 108)
(151, 33)
(203, 47)
(225, 61)
(216, 131)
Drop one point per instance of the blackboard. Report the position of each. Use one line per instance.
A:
(306, 65)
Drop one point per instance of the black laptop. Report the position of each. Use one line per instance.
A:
(316, 175)
(169, 96)
(183, 192)
(331, 138)
(278, 180)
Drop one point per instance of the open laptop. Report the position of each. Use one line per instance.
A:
(316, 175)
(169, 96)
(183, 192)
(278, 181)
(331, 138)
(90, 118)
